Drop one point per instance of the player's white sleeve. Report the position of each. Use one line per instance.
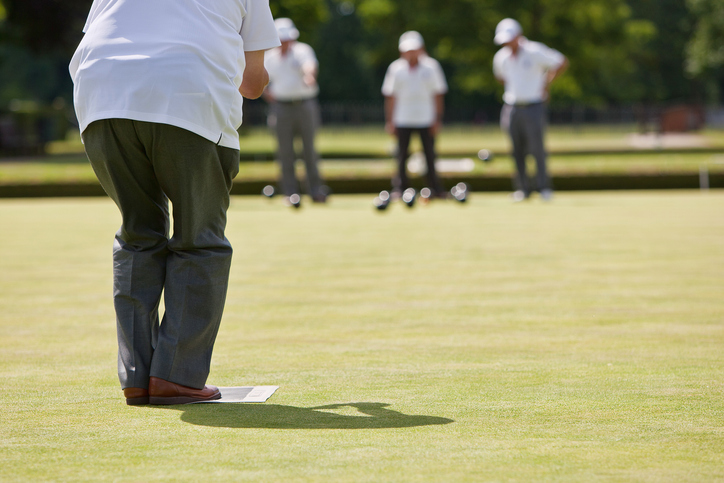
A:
(257, 28)
(547, 57)
(498, 65)
(388, 85)
(440, 85)
(305, 54)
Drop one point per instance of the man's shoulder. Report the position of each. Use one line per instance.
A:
(533, 46)
(397, 65)
(302, 48)
(542, 53)
(430, 63)
(502, 54)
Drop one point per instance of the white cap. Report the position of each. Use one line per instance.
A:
(507, 30)
(286, 29)
(411, 40)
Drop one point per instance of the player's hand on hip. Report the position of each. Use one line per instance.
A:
(390, 128)
(436, 128)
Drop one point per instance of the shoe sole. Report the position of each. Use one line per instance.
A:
(137, 401)
(171, 401)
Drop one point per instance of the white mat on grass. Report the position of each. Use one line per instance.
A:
(246, 394)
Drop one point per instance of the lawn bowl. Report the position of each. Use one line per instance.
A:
(268, 191)
(425, 195)
(485, 155)
(382, 201)
(295, 200)
(460, 192)
(408, 197)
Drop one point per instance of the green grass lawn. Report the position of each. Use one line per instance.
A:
(579, 340)
(74, 169)
(68, 164)
(454, 140)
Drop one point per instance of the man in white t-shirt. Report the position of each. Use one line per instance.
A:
(292, 93)
(158, 94)
(526, 69)
(414, 90)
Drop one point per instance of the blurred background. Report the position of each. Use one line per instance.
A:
(640, 67)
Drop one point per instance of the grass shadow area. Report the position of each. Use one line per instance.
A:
(372, 415)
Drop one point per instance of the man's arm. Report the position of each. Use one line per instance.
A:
(389, 110)
(498, 69)
(255, 75)
(309, 73)
(554, 74)
(439, 112)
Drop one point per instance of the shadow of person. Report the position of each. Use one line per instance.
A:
(273, 416)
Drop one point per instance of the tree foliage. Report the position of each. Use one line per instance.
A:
(340, 42)
(660, 60)
(46, 26)
(37, 38)
(599, 37)
(306, 14)
(705, 49)
(621, 51)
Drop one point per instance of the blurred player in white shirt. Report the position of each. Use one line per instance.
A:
(526, 69)
(292, 93)
(414, 90)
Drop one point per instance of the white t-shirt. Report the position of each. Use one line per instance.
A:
(177, 62)
(525, 74)
(414, 91)
(286, 78)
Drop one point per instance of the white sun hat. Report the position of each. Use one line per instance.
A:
(286, 29)
(411, 40)
(507, 30)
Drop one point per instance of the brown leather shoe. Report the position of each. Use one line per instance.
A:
(165, 393)
(136, 396)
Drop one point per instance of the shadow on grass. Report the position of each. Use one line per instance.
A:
(273, 416)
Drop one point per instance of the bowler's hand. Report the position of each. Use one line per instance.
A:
(391, 129)
(436, 128)
(309, 74)
(309, 80)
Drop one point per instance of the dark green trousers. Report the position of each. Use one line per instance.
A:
(142, 166)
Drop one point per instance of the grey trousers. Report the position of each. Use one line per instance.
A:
(142, 166)
(292, 119)
(526, 126)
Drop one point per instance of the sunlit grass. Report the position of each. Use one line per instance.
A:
(454, 140)
(69, 165)
(579, 340)
(76, 169)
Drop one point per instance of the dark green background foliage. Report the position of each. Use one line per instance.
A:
(621, 51)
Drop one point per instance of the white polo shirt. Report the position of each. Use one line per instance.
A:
(525, 74)
(414, 91)
(286, 78)
(177, 62)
